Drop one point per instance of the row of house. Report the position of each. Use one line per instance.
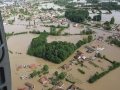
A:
(43, 80)
(32, 66)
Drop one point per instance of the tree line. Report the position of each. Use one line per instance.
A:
(88, 31)
(84, 41)
(55, 51)
(78, 16)
(97, 75)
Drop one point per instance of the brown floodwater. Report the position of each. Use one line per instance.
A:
(107, 17)
(20, 43)
(73, 39)
(73, 30)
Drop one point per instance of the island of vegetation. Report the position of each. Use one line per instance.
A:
(55, 51)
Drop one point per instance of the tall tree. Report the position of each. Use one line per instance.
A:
(112, 20)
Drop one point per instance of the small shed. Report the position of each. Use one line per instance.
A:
(65, 66)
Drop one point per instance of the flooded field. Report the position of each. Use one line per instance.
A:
(50, 5)
(107, 17)
(73, 39)
(20, 43)
(73, 30)
(22, 28)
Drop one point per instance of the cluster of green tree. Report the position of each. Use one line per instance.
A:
(66, 33)
(93, 1)
(59, 16)
(38, 32)
(61, 2)
(11, 21)
(35, 73)
(81, 71)
(44, 71)
(116, 42)
(60, 76)
(25, 12)
(54, 32)
(11, 34)
(18, 53)
(112, 21)
(8, 7)
(92, 63)
(71, 5)
(88, 31)
(5, 16)
(97, 75)
(68, 80)
(97, 17)
(20, 33)
(27, 18)
(58, 26)
(55, 51)
(14, 11)
(97, 25)
(107, 24)
(10, 51)
(84, 41)
(78, 16)
(110, 5)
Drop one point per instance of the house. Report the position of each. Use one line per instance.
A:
(29, 85)
(89, 51)
(83, 57)
(79, 53)
(65, 66)
(74, 62)
(32, 66)
(94, 46)
(22, 88)
(59, 85)
(53, 19)
(77, 57)
(43, 80)
(72, 87)
(100, 38)
(55, 88)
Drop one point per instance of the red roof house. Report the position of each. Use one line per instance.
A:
(32, 65)
(22, 88)
(43, 80)
(59, 85)
(65, 66)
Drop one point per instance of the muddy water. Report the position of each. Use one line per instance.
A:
(107, 17)
(22, 28)
(73, 30)
(73, 39)
(20, 43)
(49, 5)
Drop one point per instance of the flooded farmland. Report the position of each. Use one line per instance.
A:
(20, 43)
